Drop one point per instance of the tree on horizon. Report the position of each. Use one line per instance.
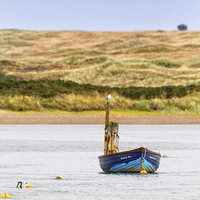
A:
(182, 27)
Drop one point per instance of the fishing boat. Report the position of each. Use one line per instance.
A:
(140, 160)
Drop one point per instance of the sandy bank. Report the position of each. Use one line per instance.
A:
(42, 118)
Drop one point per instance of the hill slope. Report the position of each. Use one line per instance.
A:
(145, 58)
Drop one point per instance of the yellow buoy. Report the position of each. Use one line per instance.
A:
(29, 186)
(143, 172)
(59, 177)
(5, 196)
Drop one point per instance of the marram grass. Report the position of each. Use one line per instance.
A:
(121, 59)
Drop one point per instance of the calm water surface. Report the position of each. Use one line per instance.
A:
(37, 154)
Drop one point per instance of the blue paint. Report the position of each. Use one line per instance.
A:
(129, 162)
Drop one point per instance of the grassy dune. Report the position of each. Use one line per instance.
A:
(115, 59)
(123, 59)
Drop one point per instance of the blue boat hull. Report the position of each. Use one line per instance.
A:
(132, 161)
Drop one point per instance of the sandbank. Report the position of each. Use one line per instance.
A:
(7, 117)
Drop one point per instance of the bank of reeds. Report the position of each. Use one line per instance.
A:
(78, 103)
(64, 102)
(169, 106)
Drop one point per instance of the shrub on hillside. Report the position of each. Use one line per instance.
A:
(166, 63)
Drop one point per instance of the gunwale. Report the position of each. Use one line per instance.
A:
(141, 149)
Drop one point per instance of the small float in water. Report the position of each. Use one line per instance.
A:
(5, 196)
(140, 160)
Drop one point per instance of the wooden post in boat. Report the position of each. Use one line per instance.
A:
(106, 127)
(111, 141)
(107, 115)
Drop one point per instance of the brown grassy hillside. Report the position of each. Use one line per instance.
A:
(140, 58)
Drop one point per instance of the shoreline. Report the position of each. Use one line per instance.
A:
(7, 117)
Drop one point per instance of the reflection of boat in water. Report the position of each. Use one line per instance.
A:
(133, 161)
(141, 160)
